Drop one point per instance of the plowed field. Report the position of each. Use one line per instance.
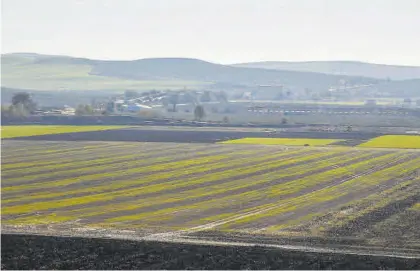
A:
(162, 190)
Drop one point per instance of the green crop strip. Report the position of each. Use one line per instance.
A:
(37, 180)
(17, 148)
(283, 189)
(195, 193)
(151, 218)
(114, 162)
(52, 204)
(330, 193)
(130, 168)
(178, 164)
(57, 153)
(124, 183)
(32, 167)
(225, 201)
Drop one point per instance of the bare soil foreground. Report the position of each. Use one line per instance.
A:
(43, 252)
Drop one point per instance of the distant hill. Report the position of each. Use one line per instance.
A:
(350, 68)
(52, 73)
(46, 72)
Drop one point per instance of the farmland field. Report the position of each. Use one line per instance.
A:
(34, 130)
(159, 190)
(394, 141)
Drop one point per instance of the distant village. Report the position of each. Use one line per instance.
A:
(155, 101)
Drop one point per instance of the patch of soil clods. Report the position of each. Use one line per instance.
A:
(42, 252)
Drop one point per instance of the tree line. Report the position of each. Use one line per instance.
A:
(22, 105)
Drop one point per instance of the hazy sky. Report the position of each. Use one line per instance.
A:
(223, 31)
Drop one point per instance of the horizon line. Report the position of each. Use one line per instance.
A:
(210, 61)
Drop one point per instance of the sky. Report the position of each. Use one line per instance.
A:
(221, 31)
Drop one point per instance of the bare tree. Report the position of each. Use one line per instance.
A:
(173, 99)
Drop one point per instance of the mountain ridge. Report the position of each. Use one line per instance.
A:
(344, 67)
(58, 69)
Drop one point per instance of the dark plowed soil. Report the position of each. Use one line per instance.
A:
(349, 142)
(41, 252)
(188, 136)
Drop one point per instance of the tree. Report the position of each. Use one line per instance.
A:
(21, 98)
(84, 110)
(199, 112)
(18, 110)
(22, 101)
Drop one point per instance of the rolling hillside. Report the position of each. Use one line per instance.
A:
(41, 72)
(350, 68)
(44, 72)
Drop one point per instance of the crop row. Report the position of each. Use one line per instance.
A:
(274, 193)
(353, 210)
(239, 188)
(41, 174)
(178, 172)
(159, 166)
(28, 159)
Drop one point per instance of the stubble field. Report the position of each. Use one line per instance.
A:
(159, 190)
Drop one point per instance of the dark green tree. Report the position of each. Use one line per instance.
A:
(199, 112)
(22, 101)
(84, 110)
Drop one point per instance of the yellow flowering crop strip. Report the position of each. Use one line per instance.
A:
(394, 141)
(32, 130)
